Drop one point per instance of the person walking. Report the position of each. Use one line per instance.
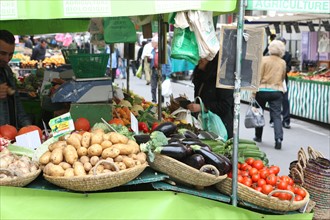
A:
(11, 108)
(114, 62)
(39, 51)
(154, 64)
(218, 100)
(285, 103)
(271, 89)
(146, 59)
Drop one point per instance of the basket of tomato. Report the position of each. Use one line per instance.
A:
(262, 186)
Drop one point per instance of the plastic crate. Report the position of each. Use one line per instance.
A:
(67, 52)
(89, 65)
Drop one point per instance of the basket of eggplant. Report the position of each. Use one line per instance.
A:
(185, 159)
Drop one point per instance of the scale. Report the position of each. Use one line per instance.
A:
(85, 90)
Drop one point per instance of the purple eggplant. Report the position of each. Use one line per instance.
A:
(168, 128)
(195, 161)
(176, 151)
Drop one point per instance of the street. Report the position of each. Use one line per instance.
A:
(302, 133)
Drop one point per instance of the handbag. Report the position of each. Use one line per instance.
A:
(212, 122)
(254, 116)
(185, 114)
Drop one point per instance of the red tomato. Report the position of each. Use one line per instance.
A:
(255, 177)
(8, 131)
(298, 198)
(253, 171)
(261, 182)
(263, 173)
(239, 179)
(82, 124)
(286, 178)
(230, 174)
(247, 181)
(276, 194)
(258, 188)
(239, 165)
(301, 192)
(282, 185)
(266, 189)
(291, 182)
(258, 164)
(283, 196)
(275, 169)
(271, 180)
(244, 166)
(249, 160)
(154, 125)
(244, 173)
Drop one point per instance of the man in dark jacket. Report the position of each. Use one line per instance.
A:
(12, 111)
(39, 51)
(218, 100)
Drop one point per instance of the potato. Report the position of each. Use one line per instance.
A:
(133, 156)
(98, 131)
(65, 165)
(106, 171)
(77, 135)
(44, 159)
(46, 169)
(70, 154)
(134, 145)
(106, 136)
(95, 150)
(56, 156)
(129, 162)
(110, 152)
(117, 138)
(82, 151)
(109, 159)
(78, 169)
(56, 170)
(124, 148)
(96, 138)
(137, 162)
(106, 144)
(74, 141)
(119, 158)
(69, 172)
(84, 159)
(142, 157)
(86, 139)
(87, 166)
(121, 165)
(56, 144)
(99, 169)
(94, 160)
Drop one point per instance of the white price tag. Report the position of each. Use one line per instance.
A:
(134, 124)
(29, 140)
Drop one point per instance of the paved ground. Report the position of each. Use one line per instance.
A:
(303, 133)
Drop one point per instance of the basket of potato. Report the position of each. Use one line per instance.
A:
(17, 170)
(92, 161)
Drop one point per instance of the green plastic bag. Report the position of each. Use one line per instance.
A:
(139, 72)
(184, 45)
(212, 122)
(119, 30)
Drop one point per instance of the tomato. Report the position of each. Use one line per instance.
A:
(258, 164)
(117, 121)
(249, 160)
(275, 169)
(266, 189)
(154, 126)
(30, 128)
(8, 131)
(282, 185)
(276, 194)
(239, 165)
(263, 173)
(247, 181)
(283, 196)
(271, 180)
(298, 198)
(253, 171)
(301, 192)
(291, 182)
(239, 179)
(82, 124)
(143, 127)
(286, 178)
(244, 166)
(261, 182)
(255, 177)
(258, 188)
(244, 173)
(230, 174)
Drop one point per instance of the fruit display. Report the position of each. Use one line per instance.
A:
(319, 76)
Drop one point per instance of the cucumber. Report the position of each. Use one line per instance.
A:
(248, 146)
(246, 141)
(253, 153)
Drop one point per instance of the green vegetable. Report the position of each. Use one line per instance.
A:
(102, 126)
(123, 130)
(157, 139)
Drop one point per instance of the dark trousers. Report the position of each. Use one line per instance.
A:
(285, 109)
(274, 100)
(153, 84)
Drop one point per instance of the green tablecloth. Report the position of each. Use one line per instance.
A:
(308, 99)
(25, 203)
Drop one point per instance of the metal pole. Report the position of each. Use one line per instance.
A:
(237, 97)
(159, 69)
(127, 75)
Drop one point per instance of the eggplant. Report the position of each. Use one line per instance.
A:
(141, 138)
(175, 141)
(227, 161)
(177, 136)
(167, 128)
(190, 141)
(188, 134)
(195, 161)
(205, 146)
(176, 151)
(212, 158)
(190, 151)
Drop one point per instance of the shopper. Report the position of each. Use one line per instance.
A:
(27, 42)
(39, 51)
(273, 71)
(114, 62)
(285, 103)
(166, 68)
(271, 38)
(146, 59)
(11, 108)
(218, 100)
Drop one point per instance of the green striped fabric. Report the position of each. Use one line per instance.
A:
(308, 99)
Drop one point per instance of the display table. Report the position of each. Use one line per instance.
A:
(308, 99)
(27, 203)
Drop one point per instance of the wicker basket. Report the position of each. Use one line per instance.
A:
(257, 198)
(18, 180)
(183, 173)
(98, 181)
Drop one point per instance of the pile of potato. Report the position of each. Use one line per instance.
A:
(84, 154)
(13, 166)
